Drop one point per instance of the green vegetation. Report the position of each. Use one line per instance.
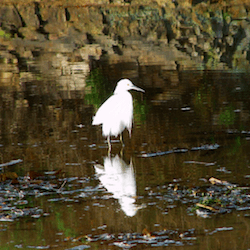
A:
(95, 90)
(227, 116)
(4, 34)
(140, 111)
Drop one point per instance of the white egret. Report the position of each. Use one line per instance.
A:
(116, 113)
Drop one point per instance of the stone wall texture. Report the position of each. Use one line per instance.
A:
(180, 34)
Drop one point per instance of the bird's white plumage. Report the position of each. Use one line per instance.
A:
(116, 113)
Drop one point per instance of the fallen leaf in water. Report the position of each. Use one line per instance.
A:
(207, 207)
(32, 174)
(15, 181)
(220, 182)
(8, 175)
(215, 181)
(79, 238)
(54, 172)
(38, 182)
(58, 172)
(146, 232)
(11, 175)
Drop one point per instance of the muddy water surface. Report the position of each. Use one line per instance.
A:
(61, 189)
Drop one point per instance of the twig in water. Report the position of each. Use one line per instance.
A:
(63, 184)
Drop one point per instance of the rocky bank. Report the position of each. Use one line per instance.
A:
(178, 35)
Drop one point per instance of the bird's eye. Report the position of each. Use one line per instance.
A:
(127, 84)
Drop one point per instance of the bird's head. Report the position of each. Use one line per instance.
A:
(125, 85)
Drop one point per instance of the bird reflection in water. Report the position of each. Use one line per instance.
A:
(119, 179)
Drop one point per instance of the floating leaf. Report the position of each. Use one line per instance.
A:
(8, 175)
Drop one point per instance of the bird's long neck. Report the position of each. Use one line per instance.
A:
(116, 91)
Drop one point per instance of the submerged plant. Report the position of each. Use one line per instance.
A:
(95, 89)
(227, 116)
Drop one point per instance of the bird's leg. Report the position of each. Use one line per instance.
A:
(109, 143)
(129, 131)
(121, 152)
(121, 140)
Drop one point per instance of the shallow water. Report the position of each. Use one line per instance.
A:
(189, 126)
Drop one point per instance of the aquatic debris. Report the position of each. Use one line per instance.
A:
(215, 197)
(63, 184)
(222, 197)
(12, 162)
(14, 189)
(207, 207)
(185, 109)
(6, 218)
(200, 163)
(207, 147)
(13, 212)
(181, 150)
(8, 175)
(123, 245)
(39, 247)
(81, 247)
(203, 213)
(220, 229)
(224, 170)
(146, 233)
(243, 208)
(145, 239)
(225, 183)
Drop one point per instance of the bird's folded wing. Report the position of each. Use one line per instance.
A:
(111, 108)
